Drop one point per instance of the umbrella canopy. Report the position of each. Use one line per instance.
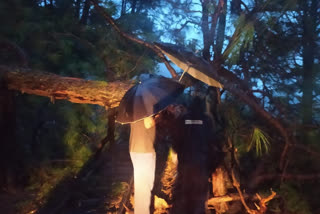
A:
(148, 98)
(188, 62)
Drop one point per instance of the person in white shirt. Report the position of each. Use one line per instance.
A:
(143, 157)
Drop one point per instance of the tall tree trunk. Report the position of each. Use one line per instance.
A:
(8, 154)
(51, 4)
(123, 7)
(77, 8)
(236, 7)
(221, 32)
(308, 54)
(133, 6)
(85, 13)
(205, 30)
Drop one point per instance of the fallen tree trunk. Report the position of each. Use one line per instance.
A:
(76, 90)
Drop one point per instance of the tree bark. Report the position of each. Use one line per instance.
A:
(308, 54)
(221, 32)
(219, 189)
(236, 7)
(123, 7)
(51, 4)
(133, 6)
(205, 30)
(56, 87)
(8, 152)
(77, 8)
(85, 13)
(209, 30)
(214, 201)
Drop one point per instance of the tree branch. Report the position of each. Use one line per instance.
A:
(214, 20)
(299, 177)
(228, 198)
(307, 149)
(231, 82)
(242, 94)
(262, 207)
(247, 97)
(12, 47)
(235, 182)
(56, 87)
(111, 21)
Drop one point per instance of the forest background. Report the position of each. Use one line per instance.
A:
(266, 53)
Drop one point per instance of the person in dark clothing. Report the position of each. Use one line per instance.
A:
(192, 184)
(193, 139)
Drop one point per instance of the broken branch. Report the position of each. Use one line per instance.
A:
(56, 87)
(111, 21)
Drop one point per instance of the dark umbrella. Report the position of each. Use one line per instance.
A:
(148, 98)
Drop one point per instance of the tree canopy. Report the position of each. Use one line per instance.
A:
(264, 52)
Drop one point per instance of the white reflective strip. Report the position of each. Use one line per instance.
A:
(197, 122)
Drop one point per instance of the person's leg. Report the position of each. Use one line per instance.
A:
(144, 171)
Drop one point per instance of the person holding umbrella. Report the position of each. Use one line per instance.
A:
(138, 107)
